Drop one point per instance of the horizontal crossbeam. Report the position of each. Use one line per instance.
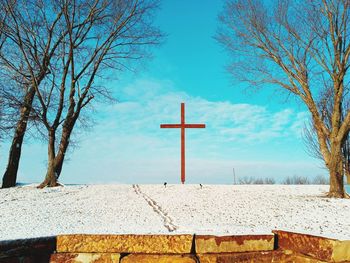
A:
(194, 125)
(170, 126)
(182, 126)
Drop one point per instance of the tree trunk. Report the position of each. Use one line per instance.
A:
(336, 173)
(51, 177)
(55, 163)
(10, 175)
(347, 173)
(66, 132)
(64, 143)
(59, 165)
(336, 188)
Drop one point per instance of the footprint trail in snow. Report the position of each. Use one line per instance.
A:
(168, 221)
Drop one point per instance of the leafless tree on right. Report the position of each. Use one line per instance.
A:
(302, 48)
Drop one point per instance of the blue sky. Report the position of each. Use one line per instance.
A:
(257, 133)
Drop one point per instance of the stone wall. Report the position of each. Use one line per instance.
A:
(280, 246)
(27, 250)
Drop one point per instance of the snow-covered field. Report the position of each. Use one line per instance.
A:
(144, 209)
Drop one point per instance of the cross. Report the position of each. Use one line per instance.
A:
(182, 126)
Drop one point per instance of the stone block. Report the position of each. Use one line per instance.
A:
(277, 256)
(26, 259)
(156, 244)
(30, 250)
(85, 258)
(245, 257)
(306, 259)
(142, 258)
(29, 246)
(229, 244)
(324, 249)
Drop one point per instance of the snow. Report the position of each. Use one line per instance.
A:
(154, 209)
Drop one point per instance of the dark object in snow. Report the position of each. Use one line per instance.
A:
(165, 183)
(201, 186)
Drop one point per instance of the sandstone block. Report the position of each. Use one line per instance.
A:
(139, 258)
(229, 244)
(156, 244)
(85, 258)
(245, 257)
(305, 259)
(324, 249)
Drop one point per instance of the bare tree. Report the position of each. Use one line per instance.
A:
(117, 33)
(310, 135)
(30, 30)
(301, 47)
(10, 101)
(346, 158)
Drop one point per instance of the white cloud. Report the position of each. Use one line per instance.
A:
(150, 104)
(128, 145)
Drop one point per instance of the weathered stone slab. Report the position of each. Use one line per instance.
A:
(85, 258)
(305, 259)
(26, 259)
(316, 247)
(261, 257)
(156, 244)
(258, 257)
(139, 258)
(229, 244)
(31, 250)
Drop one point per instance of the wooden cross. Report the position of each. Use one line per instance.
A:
(182, 126)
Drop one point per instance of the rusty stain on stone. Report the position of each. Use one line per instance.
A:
(317, 247)
(278, 256)
(64, 257)
(144, 258)
(85, 258)
(219, 244)
(306, 259)
(261, 257)
(161, 244)
(238, 239)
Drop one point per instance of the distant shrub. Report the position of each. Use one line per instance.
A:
(258, 181)
(252, 180)
(296, 179)
(246, 180)
(269, 180)
(320, 179)
(301, 180)
(288, 180)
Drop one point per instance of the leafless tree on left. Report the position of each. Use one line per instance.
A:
(31, 33)
(119, 32)
(54, 53)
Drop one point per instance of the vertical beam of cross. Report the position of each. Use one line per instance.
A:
(183, 125)
(183, 143)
